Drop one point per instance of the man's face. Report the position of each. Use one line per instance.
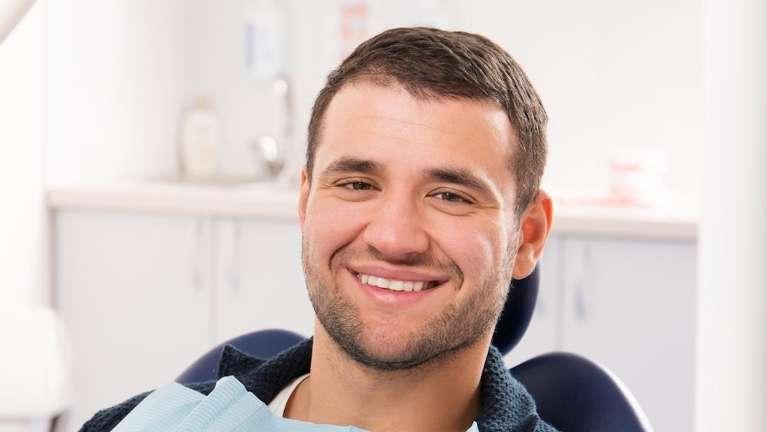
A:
(408, 224)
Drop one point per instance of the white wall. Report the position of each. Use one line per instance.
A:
(612, 75)
(731, 374)
(22, 133)
(115, 78)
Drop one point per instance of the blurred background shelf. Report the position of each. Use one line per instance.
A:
(242, 198)
(231, 198)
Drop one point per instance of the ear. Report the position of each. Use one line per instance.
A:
(534, 228)
(303, 195)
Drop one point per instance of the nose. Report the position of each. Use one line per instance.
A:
(396, 230)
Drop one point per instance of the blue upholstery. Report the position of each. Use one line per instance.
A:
(572, 393)
(262, 344)
(575, 394)
(517, 312)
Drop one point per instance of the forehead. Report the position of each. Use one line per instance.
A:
(388, 124)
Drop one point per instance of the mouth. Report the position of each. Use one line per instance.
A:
(386, 288)
(396, 285)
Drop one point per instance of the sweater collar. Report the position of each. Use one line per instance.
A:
(505, 405)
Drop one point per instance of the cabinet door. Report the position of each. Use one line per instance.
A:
(260, 280)
(543, 334)
(133, 291)
(630, 306)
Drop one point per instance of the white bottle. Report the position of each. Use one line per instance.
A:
(200, 142)
(265, 38)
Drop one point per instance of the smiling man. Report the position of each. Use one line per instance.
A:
(419, 202)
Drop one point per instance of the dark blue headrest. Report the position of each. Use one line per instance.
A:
(517, 312)
(261, 344)
(575, 394)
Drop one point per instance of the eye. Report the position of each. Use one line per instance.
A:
(357, 185)
(452, 197)
(354, 189)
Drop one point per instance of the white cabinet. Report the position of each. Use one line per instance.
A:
(132, 289)
(260, 282)
(145, 294)
(630, 305)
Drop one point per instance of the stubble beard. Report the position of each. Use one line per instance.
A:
(452, 330)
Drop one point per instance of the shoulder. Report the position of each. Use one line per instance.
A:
(505, 404)
(545, 427)
(236, 362)
(232, 362)
(107, 419)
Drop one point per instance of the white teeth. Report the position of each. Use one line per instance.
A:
(392, 284)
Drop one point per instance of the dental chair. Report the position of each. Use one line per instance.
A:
(572, 393)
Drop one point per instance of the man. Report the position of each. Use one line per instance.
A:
(419, 202)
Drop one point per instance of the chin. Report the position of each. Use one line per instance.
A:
(388, 347)
(391, 350)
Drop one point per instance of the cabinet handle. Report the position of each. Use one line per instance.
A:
(235, 273)
(581, 295)
(197, 262)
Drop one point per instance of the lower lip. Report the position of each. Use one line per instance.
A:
(394, 298)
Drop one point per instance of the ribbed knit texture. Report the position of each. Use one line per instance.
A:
(505, 405)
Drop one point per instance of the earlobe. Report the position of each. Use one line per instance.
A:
(534, 227)
(525, 262)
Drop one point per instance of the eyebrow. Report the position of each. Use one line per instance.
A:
(459, 176)
(349, 164)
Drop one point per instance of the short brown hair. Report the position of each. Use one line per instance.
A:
(433, 63)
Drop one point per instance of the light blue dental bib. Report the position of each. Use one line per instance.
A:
(228, 408)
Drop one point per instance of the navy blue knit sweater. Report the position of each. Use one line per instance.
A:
(505, 404)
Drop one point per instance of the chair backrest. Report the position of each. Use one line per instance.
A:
(576, 394)
(571, 393)
(517, 312)
(262, 344)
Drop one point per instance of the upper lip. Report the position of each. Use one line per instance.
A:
(388, 272)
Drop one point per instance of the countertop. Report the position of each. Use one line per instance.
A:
(273, 200)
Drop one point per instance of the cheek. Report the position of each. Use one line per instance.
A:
(476, 246)
(330, 225)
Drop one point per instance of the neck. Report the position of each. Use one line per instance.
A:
(442, 395)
